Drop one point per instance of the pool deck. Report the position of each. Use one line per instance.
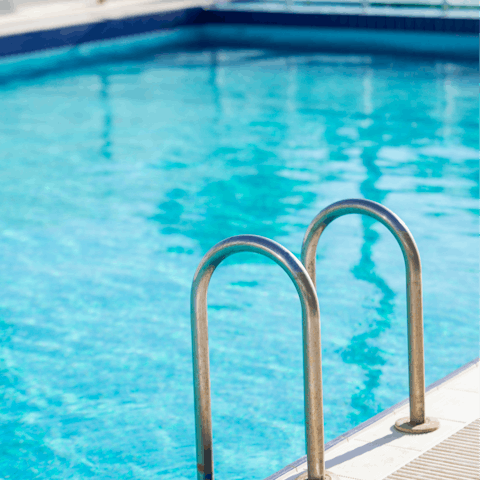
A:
(377, 451)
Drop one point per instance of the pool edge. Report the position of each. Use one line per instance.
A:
(127, 24)
(373, 420)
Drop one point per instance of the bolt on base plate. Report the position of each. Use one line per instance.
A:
(404, 425)
(328, 476)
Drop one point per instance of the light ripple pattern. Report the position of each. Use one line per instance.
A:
(117, 177)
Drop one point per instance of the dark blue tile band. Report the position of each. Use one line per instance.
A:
(342, 21)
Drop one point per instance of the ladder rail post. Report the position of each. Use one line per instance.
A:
(311, 350)
(414, 294)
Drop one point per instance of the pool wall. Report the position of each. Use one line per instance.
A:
(441, 37)
(345, 40)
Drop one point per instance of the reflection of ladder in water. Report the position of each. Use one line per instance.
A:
(304, 281)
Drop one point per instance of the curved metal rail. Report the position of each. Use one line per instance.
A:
(417, 423)
(312, 359)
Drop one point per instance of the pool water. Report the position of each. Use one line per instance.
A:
(117, 177)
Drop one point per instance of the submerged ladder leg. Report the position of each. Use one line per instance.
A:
(418, 422)
(312, 356)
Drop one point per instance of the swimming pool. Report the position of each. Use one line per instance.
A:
(117, 177)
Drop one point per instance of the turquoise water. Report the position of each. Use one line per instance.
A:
(116, 178)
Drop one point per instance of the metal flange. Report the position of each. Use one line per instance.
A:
(328, 476)
(404, 425)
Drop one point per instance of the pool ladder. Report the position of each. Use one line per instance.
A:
(303, 278)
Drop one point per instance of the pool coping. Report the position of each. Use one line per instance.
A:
(373, 420)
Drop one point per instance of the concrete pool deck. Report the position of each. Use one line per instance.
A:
(377, 451)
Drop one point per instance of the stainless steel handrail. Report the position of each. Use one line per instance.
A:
(312, 356)
(417, 423)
